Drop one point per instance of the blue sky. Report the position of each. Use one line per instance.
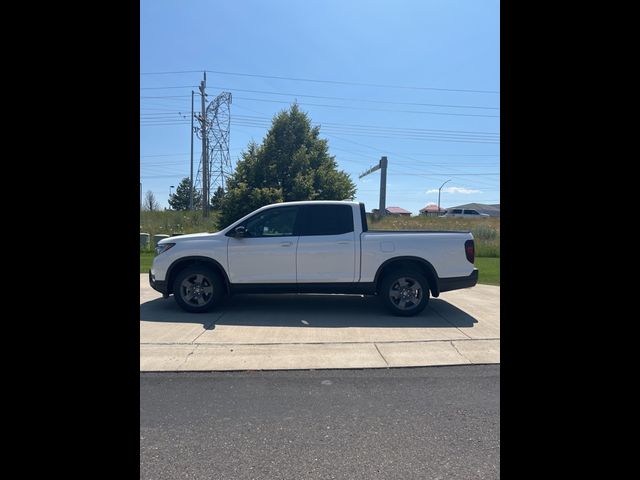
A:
(446, 126)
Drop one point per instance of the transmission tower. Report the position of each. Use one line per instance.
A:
(215, 163)
(219, 118)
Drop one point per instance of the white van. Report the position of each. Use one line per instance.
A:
(464, 213)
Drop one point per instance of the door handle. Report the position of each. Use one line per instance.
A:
(286, 244)
(344, 243)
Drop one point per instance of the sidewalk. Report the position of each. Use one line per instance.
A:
(267, 332)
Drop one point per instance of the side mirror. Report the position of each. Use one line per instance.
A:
(240, 231)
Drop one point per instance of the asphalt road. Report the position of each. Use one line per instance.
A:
(410, 423)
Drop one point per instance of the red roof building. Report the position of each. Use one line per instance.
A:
(398, 211)
(432, 210)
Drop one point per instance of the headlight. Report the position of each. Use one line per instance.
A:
(163, 248)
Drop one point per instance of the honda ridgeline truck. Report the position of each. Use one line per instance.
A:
(313, 247)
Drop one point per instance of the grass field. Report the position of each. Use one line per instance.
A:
(486, 231)
(489, 268)
(145, 261)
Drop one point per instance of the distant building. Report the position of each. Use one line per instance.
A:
(491, 210)
(431, 210)
(398, 211)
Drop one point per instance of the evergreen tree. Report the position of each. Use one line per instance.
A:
(293, 163)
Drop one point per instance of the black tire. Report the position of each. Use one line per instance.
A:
(404, 292)
(198, 289)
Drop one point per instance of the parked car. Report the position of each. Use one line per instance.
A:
(464, 213)
(313, 247)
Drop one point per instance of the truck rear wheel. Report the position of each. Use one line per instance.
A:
(198, 289)
(404, 293)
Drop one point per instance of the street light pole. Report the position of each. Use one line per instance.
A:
(439, 195)
(170, 187)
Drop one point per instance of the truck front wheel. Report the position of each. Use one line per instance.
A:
(404, 293)
(198, 289)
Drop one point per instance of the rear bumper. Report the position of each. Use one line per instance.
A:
(456, 283)
(158, 285)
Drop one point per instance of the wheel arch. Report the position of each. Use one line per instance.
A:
(180, 264)
(421, 264)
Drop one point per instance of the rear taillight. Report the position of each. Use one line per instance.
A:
(470, 250)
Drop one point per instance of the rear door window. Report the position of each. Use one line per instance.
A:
(326, 220)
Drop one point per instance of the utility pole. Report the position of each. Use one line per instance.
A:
(439, 195)
(383, 186)
(191, 177)
(382, 166)
(205, 159)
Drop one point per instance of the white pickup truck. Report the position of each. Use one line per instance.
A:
(313, 247)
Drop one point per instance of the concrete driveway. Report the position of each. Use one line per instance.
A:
(268, 332)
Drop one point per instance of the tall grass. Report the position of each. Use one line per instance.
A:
(486, 230)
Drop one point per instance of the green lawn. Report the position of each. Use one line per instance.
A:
(145, 261)
(489, 270)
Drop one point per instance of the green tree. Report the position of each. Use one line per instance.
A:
(180, 200)
(293, 163)
(216, 200)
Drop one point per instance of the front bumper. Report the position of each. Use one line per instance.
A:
(158, 285)
(456, 283)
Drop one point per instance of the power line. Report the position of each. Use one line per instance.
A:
(355, 129)
(330, 97)
(320, 123)
(166, 88)
(378, 151)
(337, 82)
(169, 96)
(164, 176)
(396, 134)
(171, 73)
(374, 134)
(257, 119)
(447, 173)
(348, 151)
(344, 107)
(165, 155)
(453, 154)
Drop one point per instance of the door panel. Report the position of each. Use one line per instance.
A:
(327, 245)
(327, 258)
(262, 260)
(267, 254)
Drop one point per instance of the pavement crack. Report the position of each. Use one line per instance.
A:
(206, 328)
(459, 352)
(385, 360)
(189, 354)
